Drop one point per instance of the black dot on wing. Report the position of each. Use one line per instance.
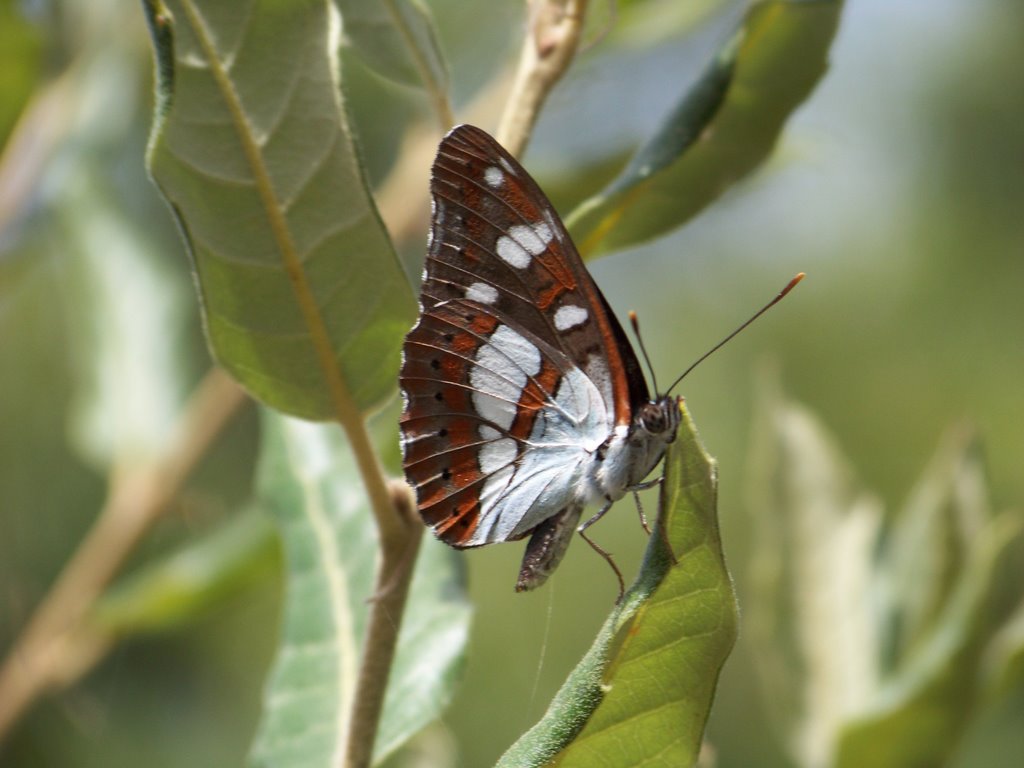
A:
(449, 337)
(438, 396)
(442, 432)
(470, 317)
(435, 364)
(446, 474)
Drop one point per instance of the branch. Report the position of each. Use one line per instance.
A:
(551, 42)
(391, 587)
(56, 648)
(403, 198)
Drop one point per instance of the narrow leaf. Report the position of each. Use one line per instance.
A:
(186, 583)
(926, 549)
(721, 129)
(917, 717)
(304, 300)
(308, 480)
(828, 592)
(396, 39)
(816, 531)
(1004, 661)
(642, 693)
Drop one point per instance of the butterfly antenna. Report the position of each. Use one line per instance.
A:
(789, 287)
(640, 340)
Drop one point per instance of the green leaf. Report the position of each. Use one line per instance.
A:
(21, 64)
(642, 693)
(917, 716)
(816, 531)
(721, 130)
(396, 39)
(1004, 661)
(926, 549)
(188, 582)
(647, 23)
(829, 588)
(308, 480)
(304, 299)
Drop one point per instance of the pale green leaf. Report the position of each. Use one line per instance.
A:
(919, 714)
(721, 129)
(926, 549)
(1004, 660)
(308, 480)
(396, 39)
(188, 582)
(121, 297)
(304, 300)
(829, 588)
(642, 693)
(816, 530)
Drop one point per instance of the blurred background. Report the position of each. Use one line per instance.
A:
(897, 187)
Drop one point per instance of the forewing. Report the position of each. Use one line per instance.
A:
(496, 239)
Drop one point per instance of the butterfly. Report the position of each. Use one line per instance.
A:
(523, 399)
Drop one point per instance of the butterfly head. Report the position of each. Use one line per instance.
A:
(659, 418)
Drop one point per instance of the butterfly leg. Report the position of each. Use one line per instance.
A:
(582, 530)
(640, 511)
(636, 497)
(643, 518)
(647, 484)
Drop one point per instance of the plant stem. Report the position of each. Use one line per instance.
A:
(54, 648)
(394, 575)
(551, 42)
(403, 197)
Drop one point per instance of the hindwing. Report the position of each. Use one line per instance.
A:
(495, 426)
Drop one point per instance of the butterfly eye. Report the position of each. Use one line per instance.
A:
(653, 418)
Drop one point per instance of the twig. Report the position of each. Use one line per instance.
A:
(55, 648)
(394, 575)
(551, 42)
(403, 197)
(42, 125)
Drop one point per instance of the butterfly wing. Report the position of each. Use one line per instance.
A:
(516, 370)
(497, 424)
(496, 238)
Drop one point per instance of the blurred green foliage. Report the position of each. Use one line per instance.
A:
(21, 47)
(897, 188)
